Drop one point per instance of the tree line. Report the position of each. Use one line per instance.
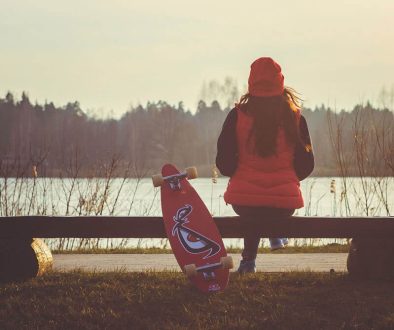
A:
(65, 141)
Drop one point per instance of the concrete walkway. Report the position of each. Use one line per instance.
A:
(315, 262)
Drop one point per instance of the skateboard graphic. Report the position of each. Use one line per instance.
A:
(194, 238)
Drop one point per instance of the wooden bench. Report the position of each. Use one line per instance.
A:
(371, 253)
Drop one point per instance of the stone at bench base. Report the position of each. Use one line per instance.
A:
(371, 258)
(22, 259)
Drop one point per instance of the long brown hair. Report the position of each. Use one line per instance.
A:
(270, 113)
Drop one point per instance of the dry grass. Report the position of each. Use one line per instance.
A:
(168, 301)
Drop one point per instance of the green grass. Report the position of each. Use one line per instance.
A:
(330, 248)
(167, 300)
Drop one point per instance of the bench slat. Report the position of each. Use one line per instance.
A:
(230, 227)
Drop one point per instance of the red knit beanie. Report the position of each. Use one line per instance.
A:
(265, 78)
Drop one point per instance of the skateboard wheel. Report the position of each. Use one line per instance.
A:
(227, 262)
(190, 270)
(157, 180)
(191, 173)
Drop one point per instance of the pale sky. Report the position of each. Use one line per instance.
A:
(111, 54)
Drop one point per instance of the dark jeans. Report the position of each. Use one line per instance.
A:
(251, 239)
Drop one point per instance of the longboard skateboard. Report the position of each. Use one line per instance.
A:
(194, 238)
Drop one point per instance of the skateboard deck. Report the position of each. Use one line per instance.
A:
(194, 238)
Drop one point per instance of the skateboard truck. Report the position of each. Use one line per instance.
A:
(207, 270)
(209, 276)
(175, 180)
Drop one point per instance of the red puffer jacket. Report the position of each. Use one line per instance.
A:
(269, 181)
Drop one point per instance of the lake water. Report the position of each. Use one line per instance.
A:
(322, 197)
